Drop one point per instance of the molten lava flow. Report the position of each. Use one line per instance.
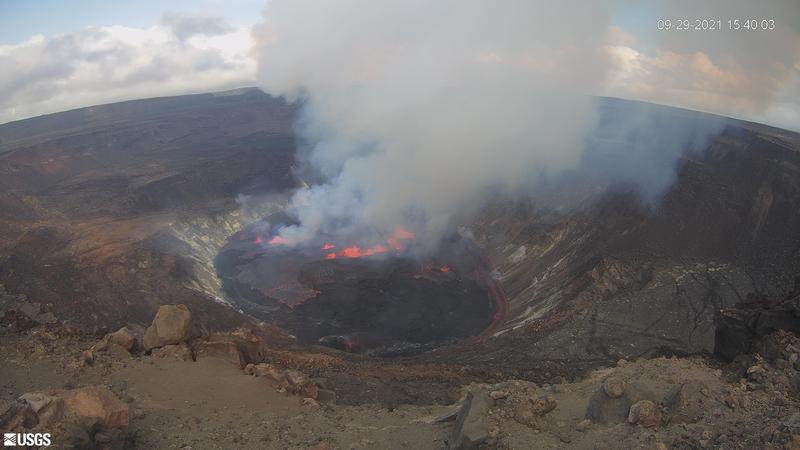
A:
(278, 240)
(375, 250)
(352, 252)
(394, 243)
(399, 235)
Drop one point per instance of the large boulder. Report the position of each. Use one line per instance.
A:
(686, 402)
(531, 409)
(644, 413)
(472, 424)
(300, 384)
(604, 409)
(614, 387)
(744, 327)
(227, 350)
(170, 326)
(95, 407)
(16, 415)
(124, 338)
(26, 315)
(48, 408)
(240, 347)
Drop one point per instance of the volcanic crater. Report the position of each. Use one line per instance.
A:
(383, 298)
(108, 212)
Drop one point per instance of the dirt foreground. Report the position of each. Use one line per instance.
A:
(209, 401)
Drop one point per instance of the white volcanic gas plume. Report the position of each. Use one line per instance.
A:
(414, 110)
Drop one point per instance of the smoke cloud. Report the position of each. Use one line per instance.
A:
(415, 113)
(748, 73)
(415, 110)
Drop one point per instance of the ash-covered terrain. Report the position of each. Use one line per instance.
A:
(112, 210)
(108, 212)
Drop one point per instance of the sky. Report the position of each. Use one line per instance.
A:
(58, 55)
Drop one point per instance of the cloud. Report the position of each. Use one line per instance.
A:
(113, 63)
(752, 74)
(184, 27)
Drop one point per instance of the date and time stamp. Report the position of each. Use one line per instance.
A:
(716, 24)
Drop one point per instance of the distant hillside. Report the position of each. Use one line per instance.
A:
(99, 115)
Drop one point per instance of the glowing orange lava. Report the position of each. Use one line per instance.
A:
(399, 235)
(278, 240)
(352, 252)
(394, 243)
(375, 250)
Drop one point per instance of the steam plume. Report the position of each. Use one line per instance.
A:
(415, 112)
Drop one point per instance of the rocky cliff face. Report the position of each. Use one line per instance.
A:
(601, 277)
(110, 211)
(199, 239)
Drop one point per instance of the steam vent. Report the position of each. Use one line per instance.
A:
(372, 297)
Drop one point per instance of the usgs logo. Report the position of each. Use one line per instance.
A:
(26, 439)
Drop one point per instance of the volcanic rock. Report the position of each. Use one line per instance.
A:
(685, 403)
(472, 424)
(36, 313)
(528, 411)
(746, 327)
(269, 371)
(37, 400)
(645, 413)
(95, 406)
(614, 387)
(17, 415)
(308, 401)
(326, 396)
(48, 408)
(226, 350)
(117, 352)
(240, 347)
(272, 374)
(170, 326)
(300, 384)
(543, 405)
(180, 352)
(583, 425)
(124, 338)
(87, 356)
(24, 315)
(603, 409)
(323, 383)
(251, 346)
(498, 395)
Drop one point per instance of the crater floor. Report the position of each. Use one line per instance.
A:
(387, 304)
